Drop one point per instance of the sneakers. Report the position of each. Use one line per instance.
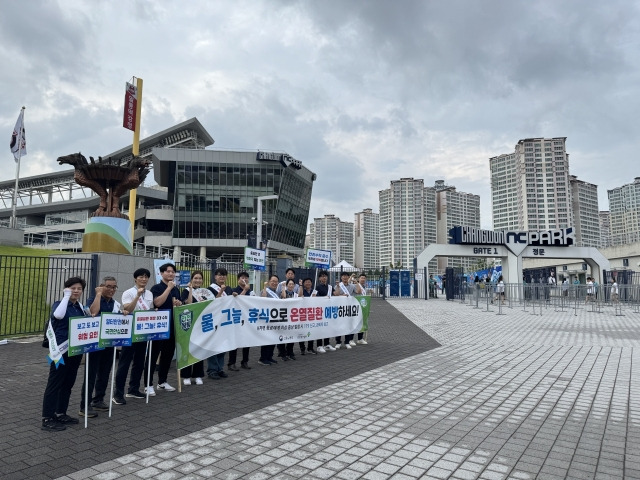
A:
(352, 343)
(330, 348)
(362, 341)
(65, 419)
(273, 362)
(338, 346)
(88, 412)
(166, 387)
(139, 394)
(302, 352)
(291, 357)
(266, 363)
(186, 381)
(245, 365)
(52, 425)
(222, 374)
(118, 400)
(321, 350)
(311, 351)
(149, 390)
(213, 376)
(100, 406)
(199, 381)
(348, 346)
(233, 368)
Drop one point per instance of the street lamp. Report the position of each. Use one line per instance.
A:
(259, 235)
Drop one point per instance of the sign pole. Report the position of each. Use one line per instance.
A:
(136, 152)
(14, 219)
(86, 390)
(113, 377)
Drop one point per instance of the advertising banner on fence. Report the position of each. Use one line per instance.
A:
(150, 325)
(207, 328)
(116, 330)
(84, 333)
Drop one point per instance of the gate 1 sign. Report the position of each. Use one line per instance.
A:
(84, 333)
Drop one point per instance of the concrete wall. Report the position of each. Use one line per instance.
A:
(11, 237)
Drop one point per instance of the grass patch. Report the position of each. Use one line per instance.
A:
(24, 277)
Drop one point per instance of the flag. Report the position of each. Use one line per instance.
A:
(130, 107)
(18, 143)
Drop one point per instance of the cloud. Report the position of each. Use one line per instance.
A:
(362, 92)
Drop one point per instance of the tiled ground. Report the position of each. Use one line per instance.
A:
(512, 396)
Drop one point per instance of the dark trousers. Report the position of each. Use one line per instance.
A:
(360, 335)
(309, 346)
(59, 385)
(193, 371)
(99, 371)
(233, 355)
(135, 353)
(165, 349)
(285, 349)
(266, 352)
(325, 342)
(347, 339)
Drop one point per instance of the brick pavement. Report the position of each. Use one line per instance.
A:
(29, 452)
(513, 396)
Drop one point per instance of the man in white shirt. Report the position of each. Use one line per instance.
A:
(135, 298)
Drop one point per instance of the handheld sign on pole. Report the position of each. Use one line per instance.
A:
(256, 260)
(115, 331)
(317, 258)
(84, 335)
(149, 326)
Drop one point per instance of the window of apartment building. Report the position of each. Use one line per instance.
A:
(625, 262)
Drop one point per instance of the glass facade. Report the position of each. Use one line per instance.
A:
(215, 198)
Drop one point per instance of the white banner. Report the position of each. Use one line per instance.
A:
(207, 328)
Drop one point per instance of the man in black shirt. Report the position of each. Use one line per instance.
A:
(166, 295)
(324, 290)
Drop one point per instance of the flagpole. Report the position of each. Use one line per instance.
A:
(14, 218)
(136, 151)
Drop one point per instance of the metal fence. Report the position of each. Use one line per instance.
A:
(30, 285)
(540, 298)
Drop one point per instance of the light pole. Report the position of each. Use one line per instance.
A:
(259, 236)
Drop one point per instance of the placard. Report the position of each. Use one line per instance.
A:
(254, 259)
(150, 325)
(84, 334)
(317, 258)
(116, 330)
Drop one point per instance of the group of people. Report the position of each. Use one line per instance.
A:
(135, 362)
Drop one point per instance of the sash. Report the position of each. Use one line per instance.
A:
(217, 289)
(271, 293)
(141, 304)
(344, 289)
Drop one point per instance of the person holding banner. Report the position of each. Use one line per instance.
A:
(361, 290)
(215, 363)
(165, 296)
(345, 287)
(243, 288)
(324, 290)
(290, 274)
(100, 361)
(285, 350)
(63, 369)
(307, 292)
(135, 298)
(195, 371)
(266, 351)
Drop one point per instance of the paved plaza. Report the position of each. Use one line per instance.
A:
(443, 390)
